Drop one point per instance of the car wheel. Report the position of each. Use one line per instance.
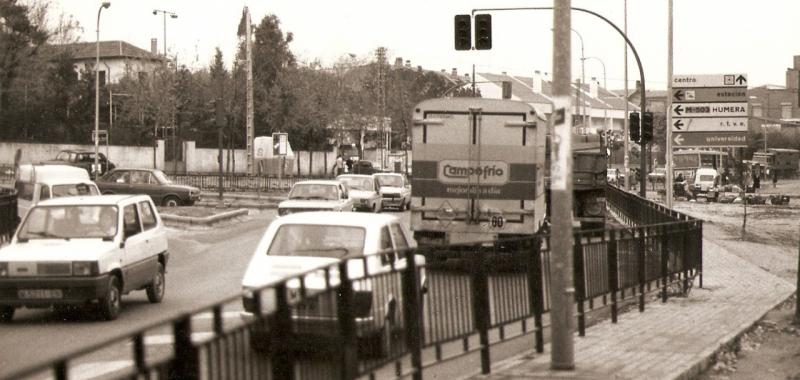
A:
(6, 313)
(171, 201)
(110, 304)
(155, 291)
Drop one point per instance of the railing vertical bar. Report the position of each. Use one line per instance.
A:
(641, 262)
(613, 277)
(665, 235)
(579, 282)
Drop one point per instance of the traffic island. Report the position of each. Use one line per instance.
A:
(199, 216)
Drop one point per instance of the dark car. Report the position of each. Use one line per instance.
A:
(364, 167)
(83, 159)
(152, 182)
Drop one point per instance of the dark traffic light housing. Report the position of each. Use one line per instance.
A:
(463, 32)
(647, 127)
(633, 126)
(483, 32)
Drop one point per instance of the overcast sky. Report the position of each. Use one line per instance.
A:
(711, 36)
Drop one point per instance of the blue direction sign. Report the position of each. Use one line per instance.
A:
(710, 94)
(728, 124)
(709, 110)
(699, 139)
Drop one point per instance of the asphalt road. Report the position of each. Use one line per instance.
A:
(205, 266)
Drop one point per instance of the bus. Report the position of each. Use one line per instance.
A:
(686, 162)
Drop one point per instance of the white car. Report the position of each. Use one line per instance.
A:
(324, 195)
(78, 251)
(363, 190)
(36, 183)
(300, 243)
(395, 190)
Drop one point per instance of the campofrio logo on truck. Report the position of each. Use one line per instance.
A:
(473, 172)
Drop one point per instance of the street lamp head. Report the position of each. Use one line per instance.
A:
(173, 15)
(106, 4)
(155, 12)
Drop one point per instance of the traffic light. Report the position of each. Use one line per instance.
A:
(633, 126)
(463, 32)
(647, 127)
(483, 32)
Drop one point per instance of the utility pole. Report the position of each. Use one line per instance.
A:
(625, 133)
(668, 180)
(250, 135)
(380, 55)
(563, 290)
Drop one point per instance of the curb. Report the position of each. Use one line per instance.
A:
(208, 220)
(705, 359)
(259, 206)
(213, 196)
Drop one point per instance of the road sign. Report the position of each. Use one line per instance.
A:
(698, 139)
(709, 94)
(709, 110)
(280, 142)
(709, 80)
(709, 124)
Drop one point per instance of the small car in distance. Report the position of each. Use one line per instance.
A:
(152, 182)
(84, 251)
(83, 159)
(658, 175)
(320, 195)
(375, 247)
(363, 190)
(395, 190)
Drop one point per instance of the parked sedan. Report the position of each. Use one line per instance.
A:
(395, 190)
(327, 195)
(375, 247)
(152, 182)
(363, 190)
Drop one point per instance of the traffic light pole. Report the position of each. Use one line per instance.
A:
(643, 103)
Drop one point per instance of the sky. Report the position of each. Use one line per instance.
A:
(758, 38)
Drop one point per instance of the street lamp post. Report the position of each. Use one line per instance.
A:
(583, 81)
(606, 128)
(171, 15)
(105, 4)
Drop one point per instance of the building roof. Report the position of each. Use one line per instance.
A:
(108, 49)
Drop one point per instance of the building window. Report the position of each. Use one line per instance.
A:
(757, 112)
(786, 110)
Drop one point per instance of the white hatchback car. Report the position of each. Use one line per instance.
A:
(363, 190)
(300, 243)
(322, 195)
(77, 251)
(395, 190)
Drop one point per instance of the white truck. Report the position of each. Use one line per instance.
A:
(478, 170)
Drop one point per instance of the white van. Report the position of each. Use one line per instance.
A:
(35, 183)
(706, 181)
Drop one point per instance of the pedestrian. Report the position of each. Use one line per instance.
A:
(338, 166)
(774, 178)
(349, 164)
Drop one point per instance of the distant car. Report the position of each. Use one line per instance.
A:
(363, 190)
(395, 190)
(364, 167)
(152, 182)
(706, 182)
(76, 251)
(36, 183)
(83, 159)
(299, 243)
(657, 175)
(322, 195)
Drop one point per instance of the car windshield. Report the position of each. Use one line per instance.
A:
(313, 191)
(390, 180)
(357, 183)
(161, 177)
(70, 222)
(76, 189)
(313, 240)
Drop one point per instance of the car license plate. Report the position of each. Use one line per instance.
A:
(40, 294)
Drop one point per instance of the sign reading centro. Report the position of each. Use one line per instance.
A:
(472, 172)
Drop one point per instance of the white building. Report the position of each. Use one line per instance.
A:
(115, 58)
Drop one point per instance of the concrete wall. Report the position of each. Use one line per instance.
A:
(122, 156)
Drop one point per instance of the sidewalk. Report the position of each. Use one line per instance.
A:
(675, 340)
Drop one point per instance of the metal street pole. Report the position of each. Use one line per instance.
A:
(105, 4)
(668, 180)
(562, 299)
(625, 132)
(606, 127)
(583, 81)
(250, 131)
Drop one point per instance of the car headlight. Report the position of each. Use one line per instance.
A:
(283, 211)
(84, 268)
(3, 269)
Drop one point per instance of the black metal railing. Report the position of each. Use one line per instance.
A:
(236, 182)
(8, 213)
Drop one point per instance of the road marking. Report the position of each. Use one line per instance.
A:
(225, 315)
(155, 340)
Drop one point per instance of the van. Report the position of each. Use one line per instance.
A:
(35, 183)
(706, 181)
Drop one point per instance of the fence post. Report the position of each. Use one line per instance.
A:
(186, 362)
(640, 264)
(664, 258)
(480, 308)
(700, 250)
(281, 342)
(412, 311)
(535, 291)
(347, 326)
(613, 271)
(579, 282)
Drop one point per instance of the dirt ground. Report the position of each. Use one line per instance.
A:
(770, 239)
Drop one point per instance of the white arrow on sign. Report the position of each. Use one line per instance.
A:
(678, 139)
